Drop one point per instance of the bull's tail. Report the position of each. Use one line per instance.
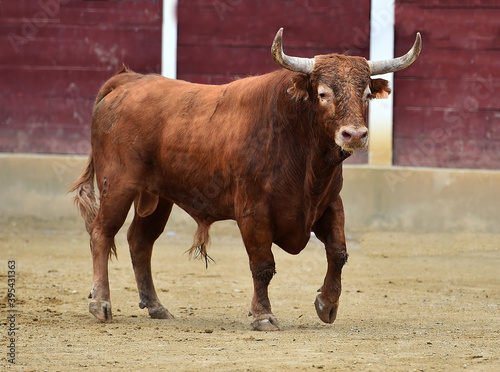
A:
(201, 240)
(85, 199)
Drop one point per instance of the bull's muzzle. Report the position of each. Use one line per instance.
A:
(351, 139)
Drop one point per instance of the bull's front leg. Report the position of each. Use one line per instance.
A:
(258, 241)
(330, 230)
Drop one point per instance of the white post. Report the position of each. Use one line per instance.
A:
(381, 110)
(169, 39)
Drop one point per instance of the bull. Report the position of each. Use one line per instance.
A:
(269, 150)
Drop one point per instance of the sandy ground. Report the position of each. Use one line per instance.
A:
(410, 302)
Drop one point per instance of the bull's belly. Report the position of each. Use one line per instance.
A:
(291, 237)
(203, 204)
(213, 201)
(207, 214)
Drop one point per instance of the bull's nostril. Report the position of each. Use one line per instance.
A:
(346, 135)
(364, 135)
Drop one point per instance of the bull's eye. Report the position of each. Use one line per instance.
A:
(325, 94)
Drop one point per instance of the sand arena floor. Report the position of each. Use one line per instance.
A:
(410, 302)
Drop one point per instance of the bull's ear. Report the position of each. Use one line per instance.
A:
(379, 88)
(299, 89)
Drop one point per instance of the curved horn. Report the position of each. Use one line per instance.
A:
(297, 64)
(396, 64)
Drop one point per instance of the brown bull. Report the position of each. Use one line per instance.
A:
(265, 151)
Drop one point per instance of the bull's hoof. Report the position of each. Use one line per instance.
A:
(160, 312)
(327, 313)
(266, 322)
(101, 310)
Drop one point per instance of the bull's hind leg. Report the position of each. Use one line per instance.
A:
(115, 205)
(142, 234)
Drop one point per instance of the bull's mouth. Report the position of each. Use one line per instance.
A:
(352, 138)
(352, 146)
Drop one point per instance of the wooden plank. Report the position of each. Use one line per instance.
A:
(95, 12)
(205, 60)
(231, 60)
(46, 111)
(52, 83)
(56, 31)
(50, 48)
(81, 12)
(103, 16)
(462, 4)
(457, 153)
(475, 29)
(11, 10)
(452, 64)
(222, 10)
(469, 94)
(444, 124)
(43, 140)
(324, 30)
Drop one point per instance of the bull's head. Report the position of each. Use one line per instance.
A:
(340, 87)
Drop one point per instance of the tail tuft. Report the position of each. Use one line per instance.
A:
(200, 244)
(85, 198)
